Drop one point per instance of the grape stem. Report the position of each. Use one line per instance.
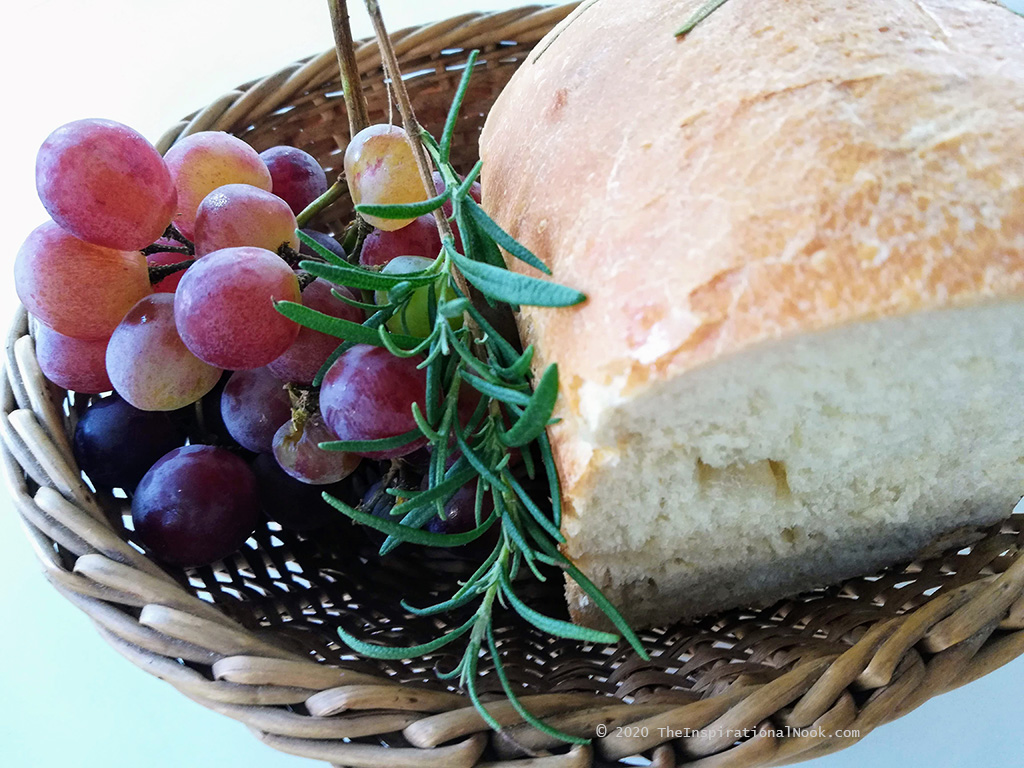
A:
(414, 131)
(351, 82)
(355, 107)
(159, 272)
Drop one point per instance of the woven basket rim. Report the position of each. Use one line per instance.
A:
(948, 638)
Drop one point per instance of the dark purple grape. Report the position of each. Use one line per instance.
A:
(254, 405)
(295, 505)
(196, 505)
(115, 444)
(323, 239)
(378, 503)
(460, 517)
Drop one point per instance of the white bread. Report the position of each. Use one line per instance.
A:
(801, 231)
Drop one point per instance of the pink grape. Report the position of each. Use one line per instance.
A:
(77, 288)
(253, 405)
(381, 170)
(241, 214)
(196, 505)
(206, 160)
(419, 238)
(299, 453)
(76, 364)
(224, 307)
(105, 184)
(149, 365)
(368, 395)
(162, 258)
(298, 177)
(304, 358)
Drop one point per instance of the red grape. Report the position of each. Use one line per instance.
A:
(253, 405)
(149, 365)
(241, 214)
(303, 359)
(76, 364)
(115, 444)
(300, 455)
(224, 307)
(77, 288)
(419, 238)
(162, 258)
(381, 170)
(105, 184)
(196, 505)
(206, 160)
(368, 395)
(298, 177)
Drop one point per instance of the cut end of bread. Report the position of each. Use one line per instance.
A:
(797, 463)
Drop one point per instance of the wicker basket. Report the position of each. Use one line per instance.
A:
(255, 637)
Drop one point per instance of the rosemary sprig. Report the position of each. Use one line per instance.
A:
(705, 10)
(462, 350)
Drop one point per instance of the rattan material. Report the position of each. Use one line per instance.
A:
(254, 638)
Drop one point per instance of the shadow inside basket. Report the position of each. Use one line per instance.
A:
(301, 587)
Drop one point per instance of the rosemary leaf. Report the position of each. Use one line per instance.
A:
(318, 249)
(444, 148)
(513, 288)
(335, 326)
(409, 533)
(553, 626)
(705, 10)
(534, 420)
(462, 191)
(534, 510)
(457, 477)
(405, 210)
(355, 277)
(496, 392)
(390, 653)
(353, 302)
(551, 472)
(503, 238)
(540, 725)
(384, 444)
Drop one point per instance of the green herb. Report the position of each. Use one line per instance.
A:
(462, 350)
(705, 10)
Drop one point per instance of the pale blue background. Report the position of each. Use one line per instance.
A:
(66, 699)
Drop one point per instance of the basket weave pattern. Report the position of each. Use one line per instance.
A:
(255, 637)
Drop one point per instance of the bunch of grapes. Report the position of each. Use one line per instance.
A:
(158, 278)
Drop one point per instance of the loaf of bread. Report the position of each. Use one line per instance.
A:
(801, 232)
